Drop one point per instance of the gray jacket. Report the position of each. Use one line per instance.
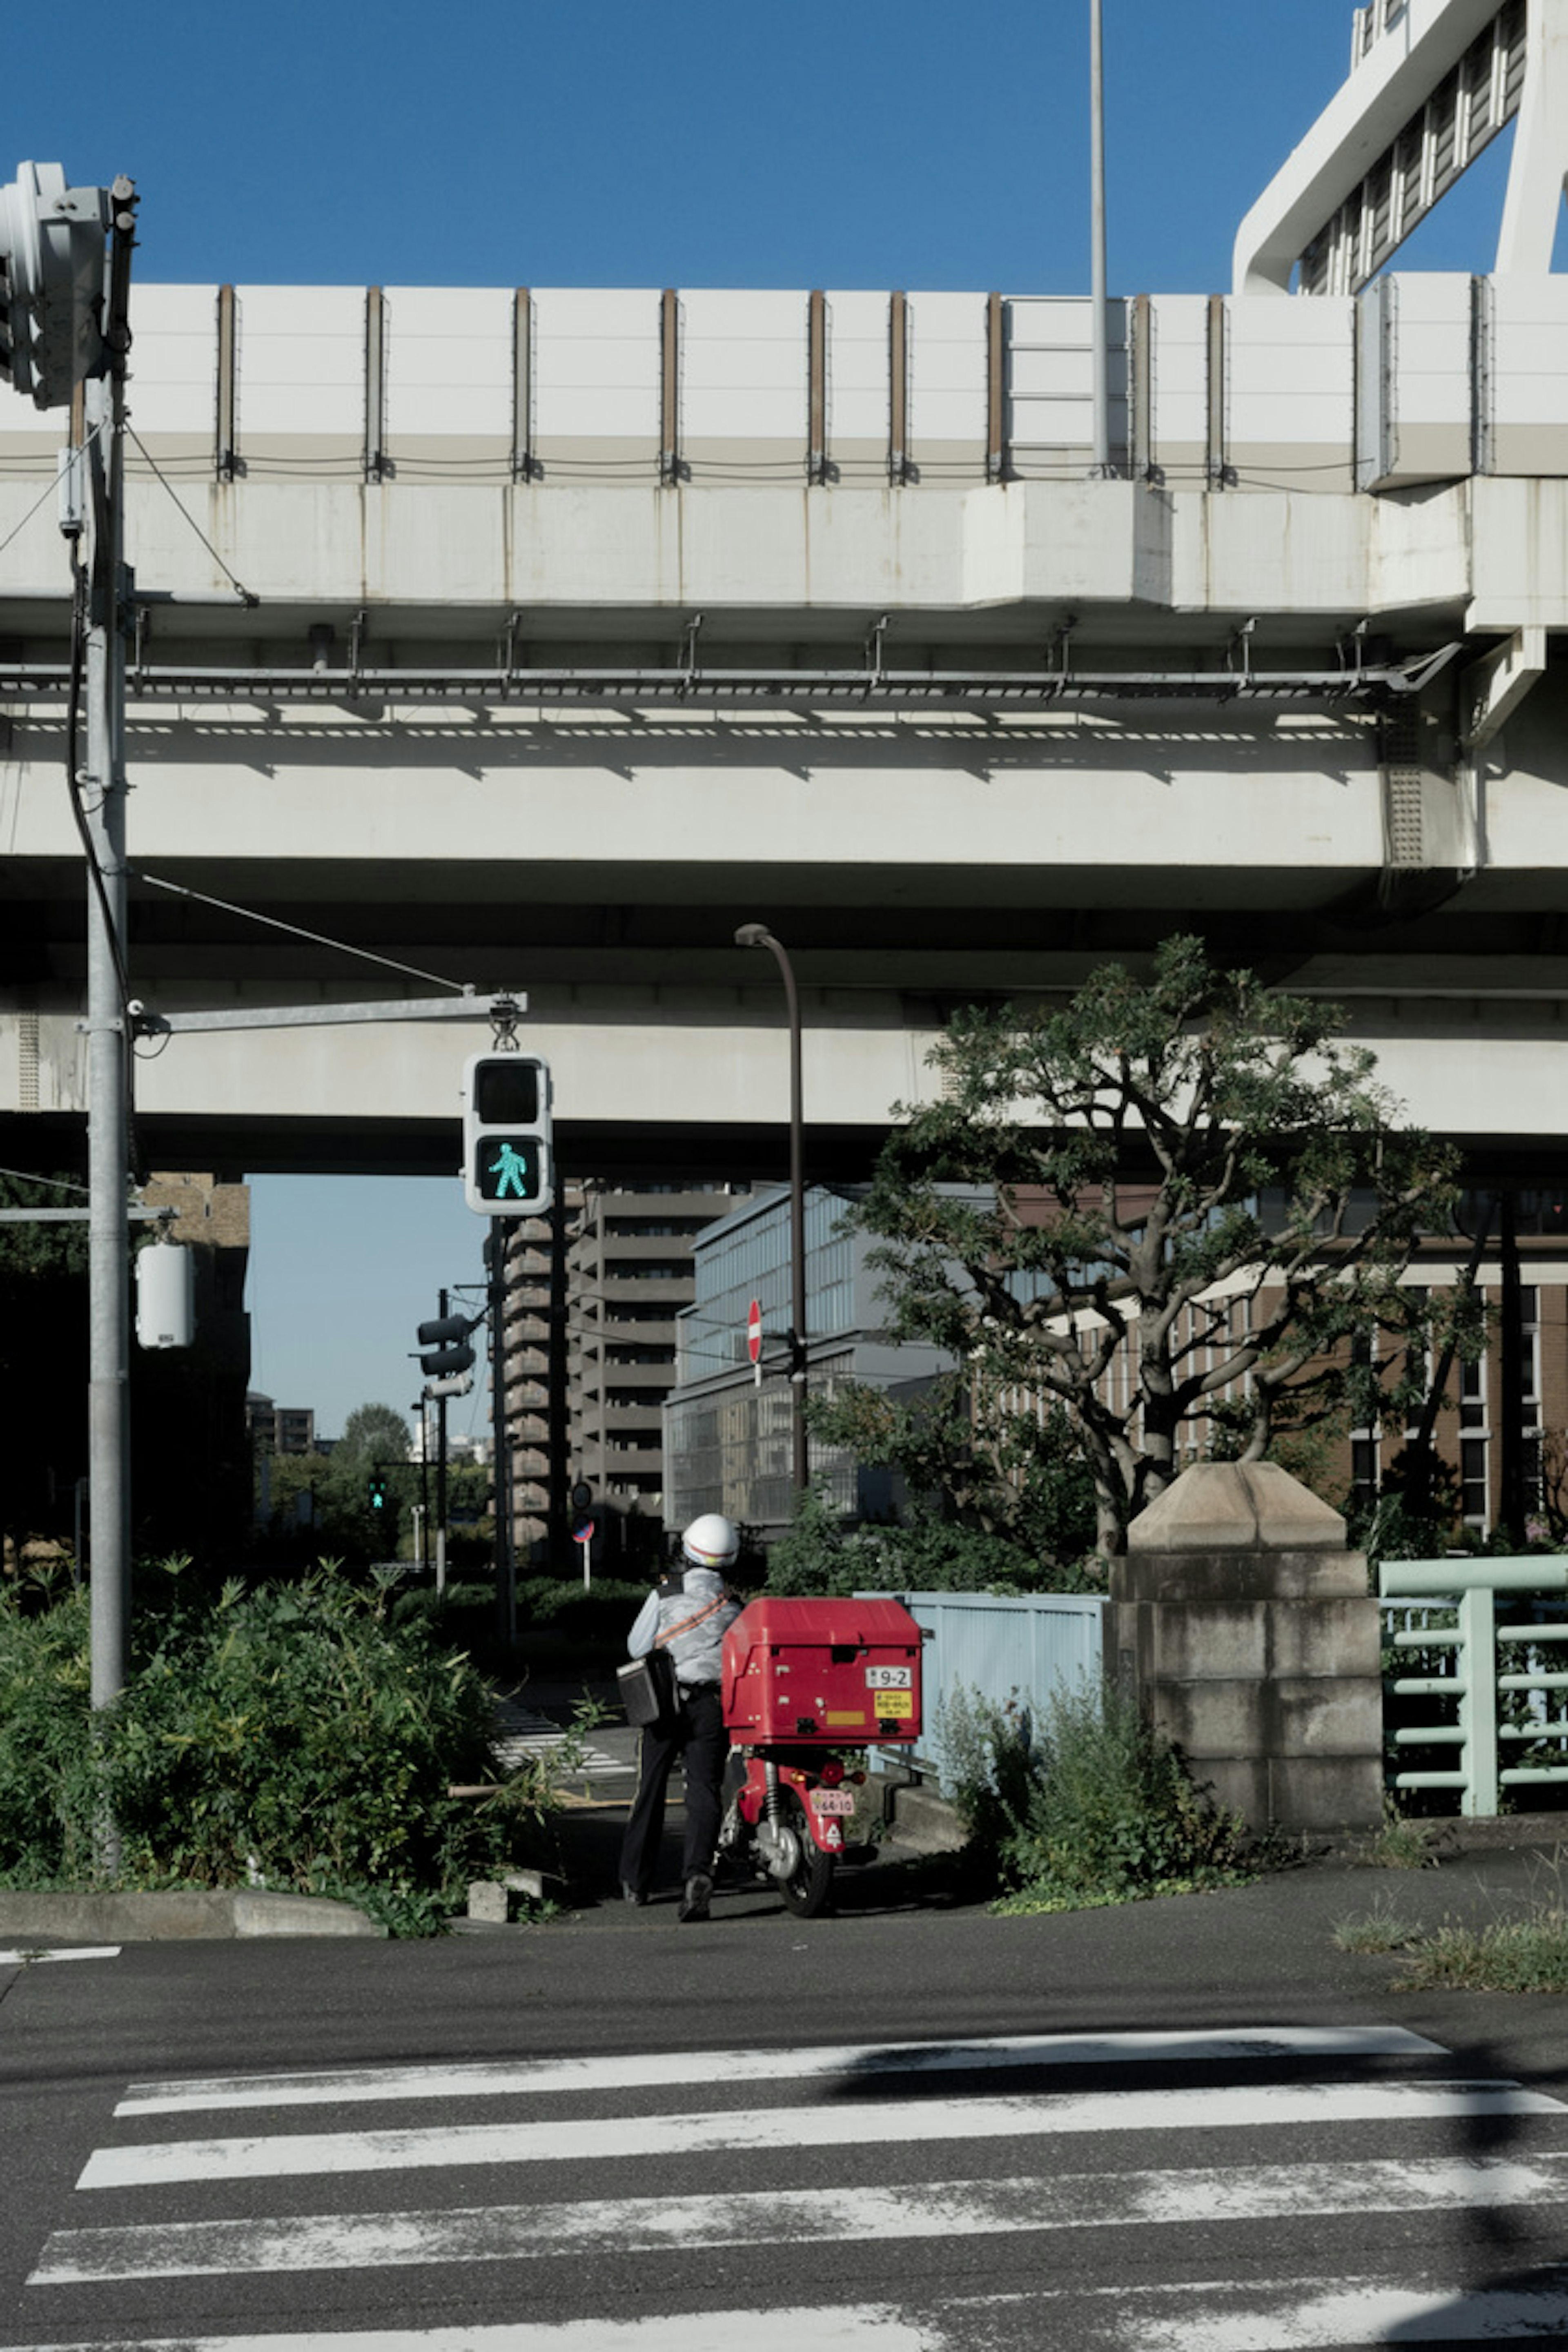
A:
(687, 1615)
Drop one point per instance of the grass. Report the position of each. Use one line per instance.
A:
(1401, 1844)
(1380, 1930)
(1526, 1953)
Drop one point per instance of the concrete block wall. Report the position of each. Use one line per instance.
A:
(1252, 1640)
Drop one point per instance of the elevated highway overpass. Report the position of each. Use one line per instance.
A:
(537, 638)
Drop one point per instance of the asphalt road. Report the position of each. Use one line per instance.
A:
(1359, 2162)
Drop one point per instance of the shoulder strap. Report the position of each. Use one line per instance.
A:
(685, 1624)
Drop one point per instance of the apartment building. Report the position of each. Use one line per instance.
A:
(593, 1292)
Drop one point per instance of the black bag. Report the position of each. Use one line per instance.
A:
(647, 1688)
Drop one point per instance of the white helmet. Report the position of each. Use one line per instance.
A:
(712, 1541)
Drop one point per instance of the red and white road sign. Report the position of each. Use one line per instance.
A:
(755, 1332)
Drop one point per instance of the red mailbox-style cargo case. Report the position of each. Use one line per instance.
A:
(835, 1674)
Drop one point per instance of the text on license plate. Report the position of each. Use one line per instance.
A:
(894, 1703)
(834, 1801)
(879, 1678)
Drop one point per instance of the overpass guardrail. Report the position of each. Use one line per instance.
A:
(1501, 1683)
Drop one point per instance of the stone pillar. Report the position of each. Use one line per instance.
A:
(1252, 1640)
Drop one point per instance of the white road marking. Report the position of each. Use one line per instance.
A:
(1288, 2315)
(847, 2329)
(23, 1955)
(643, 2069)
(1355, 2312)
(526, 1735)
(1268, 2106)
(772, 2217)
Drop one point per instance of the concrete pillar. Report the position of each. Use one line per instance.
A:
(1252, 1640)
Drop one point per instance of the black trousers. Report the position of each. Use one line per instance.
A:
(697, 1737)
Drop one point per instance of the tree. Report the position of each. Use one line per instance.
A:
(372, 1434)
(1177, 1210)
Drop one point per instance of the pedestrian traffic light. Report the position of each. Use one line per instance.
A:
(53, 242)
(506, 1169)
(375, 1490)
(447, 1338)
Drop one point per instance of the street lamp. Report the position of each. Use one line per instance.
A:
(757, 935)
(1102, 467)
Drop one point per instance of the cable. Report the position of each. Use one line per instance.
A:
(32, 510)
(60, 1183)
(250, 600)
(73, 782)
(317, 939)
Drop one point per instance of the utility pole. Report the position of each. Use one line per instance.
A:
(101, 788)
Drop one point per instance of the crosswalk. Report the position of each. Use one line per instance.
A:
(1119, 2193)
(522, 1736)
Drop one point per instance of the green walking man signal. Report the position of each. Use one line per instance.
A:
(507, 1167)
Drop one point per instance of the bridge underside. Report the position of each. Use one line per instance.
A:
(1001, 763)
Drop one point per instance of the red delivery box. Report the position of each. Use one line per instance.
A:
(839, 1674)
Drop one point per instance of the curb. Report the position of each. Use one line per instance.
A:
(188, 1914)
(918, 1820)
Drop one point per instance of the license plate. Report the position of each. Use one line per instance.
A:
(886, 1678)
(895, 1703)
(826, 1801)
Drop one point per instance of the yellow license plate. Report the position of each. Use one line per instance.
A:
(893, 1702)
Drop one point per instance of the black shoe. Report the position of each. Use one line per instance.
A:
(630, 1894)
(699, 1887)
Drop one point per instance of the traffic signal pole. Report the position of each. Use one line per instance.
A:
(441, 1477)
(102, 787)
(102, 791)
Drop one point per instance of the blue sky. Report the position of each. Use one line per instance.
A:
(598, 142)
(595, 142)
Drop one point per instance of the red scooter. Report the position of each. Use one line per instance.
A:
(803, 1681)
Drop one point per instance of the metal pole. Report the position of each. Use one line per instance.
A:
(757, 935)
(421, 1405)
(1510, 1375)
(441, 1476)
(108, 1229)
(1100, 327)
(501, 1464)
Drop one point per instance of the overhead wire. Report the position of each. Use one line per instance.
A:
(296, 930)
(247, 596)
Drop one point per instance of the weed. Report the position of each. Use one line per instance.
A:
(1380, 1930)
(1401, 1844)
(1088, 1806)
(1528, 1955)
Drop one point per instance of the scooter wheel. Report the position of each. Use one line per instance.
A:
(808, 1888)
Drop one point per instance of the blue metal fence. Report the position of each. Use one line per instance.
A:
(1018, 1646)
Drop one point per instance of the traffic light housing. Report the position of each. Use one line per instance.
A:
(447, 1338)
(506, 1170)
(375, 1490)
(53, 247)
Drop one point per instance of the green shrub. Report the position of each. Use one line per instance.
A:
(297, 1737)
(47, 1785)
(1087, 1805)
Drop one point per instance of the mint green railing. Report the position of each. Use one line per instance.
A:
(1481, 1651)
